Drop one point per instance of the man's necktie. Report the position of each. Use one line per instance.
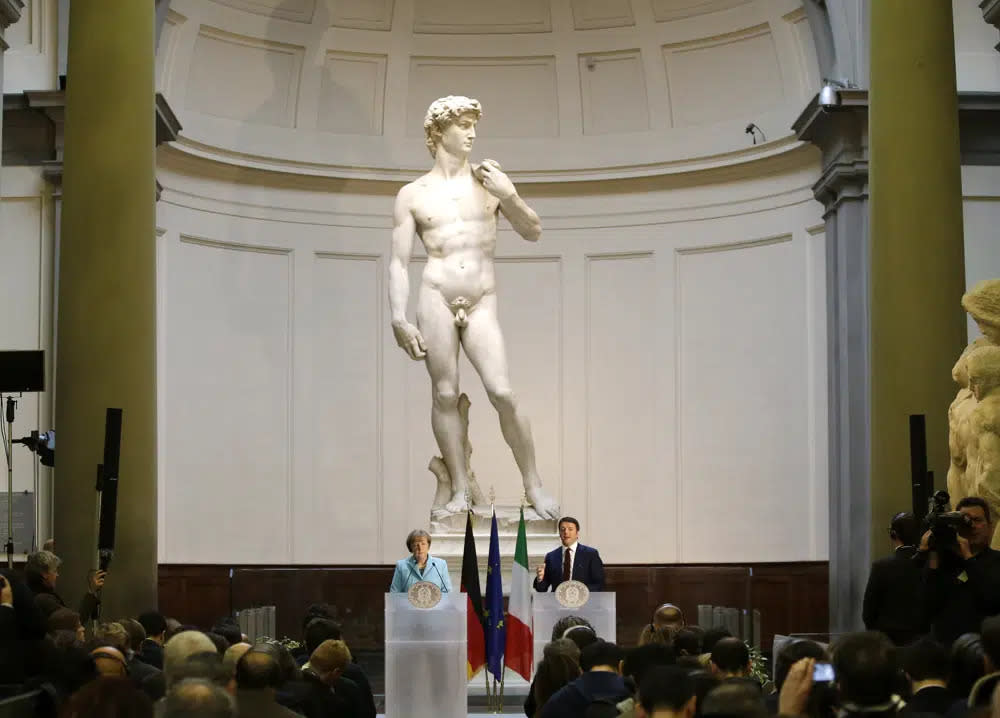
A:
(566, 565)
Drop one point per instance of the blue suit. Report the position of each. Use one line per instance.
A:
(587, 568)
(407, 574)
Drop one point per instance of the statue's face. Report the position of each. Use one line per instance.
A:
(457, 138)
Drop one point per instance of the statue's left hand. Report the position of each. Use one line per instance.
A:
(495, 181)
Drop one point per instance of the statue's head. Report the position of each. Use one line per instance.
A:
(445, 111)
(982, 302)
(960, 372)
(984, 370)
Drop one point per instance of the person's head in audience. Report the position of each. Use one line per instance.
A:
(198, 698)
(136, 633)
(734, 699)
(108, 698)
(967, 664)
(319, 630)
(232, 655)
(581, 635)
(704, 681)
(155, 626)
(173, 626)
(651, 634)
(229, 630)
(555, 670)
(904, 530)
(793, 652)
(258, 671)
(181, 647)
(221, 644)
(601, 656)
(666, 692)
(41, 570)
(640, 659)
(289, 666)
(110, 662)
(926, 663)
(731, 658)
(712, 636)
(990, 636)
(562, 646)
(687, 642)
(866, 666)
(314, 611)
(112, 634)
(567, 622)
(65, 619)
(668, 616)
(329, 660)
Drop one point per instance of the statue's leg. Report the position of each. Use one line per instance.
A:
(437, 325)
(483, 342)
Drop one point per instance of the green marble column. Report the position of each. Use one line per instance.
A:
(917, 278)
(106, 304)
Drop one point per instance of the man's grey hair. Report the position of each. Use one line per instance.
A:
(198, 698)
(443, 112)
(181, 647)
(41, 562)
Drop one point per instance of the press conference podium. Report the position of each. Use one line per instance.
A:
(425, 658)
(600, 610)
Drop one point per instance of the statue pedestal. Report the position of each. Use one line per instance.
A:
(448, 540)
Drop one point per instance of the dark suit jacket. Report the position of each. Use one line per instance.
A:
(892, 602)
(258, 704)
(151, 653)
(587, 568)
(932, 699)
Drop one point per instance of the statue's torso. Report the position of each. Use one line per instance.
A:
(457, 223)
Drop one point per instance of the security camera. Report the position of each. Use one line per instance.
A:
(829, 95)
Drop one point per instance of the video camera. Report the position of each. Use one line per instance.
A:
(945, 526)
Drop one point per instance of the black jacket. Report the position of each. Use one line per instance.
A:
(957, 599)
(151, 653)
(47, 600)
(892, 602)
(932, 699)
(571, 700)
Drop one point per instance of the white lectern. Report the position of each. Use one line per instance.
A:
(546, 610)
(425, 658)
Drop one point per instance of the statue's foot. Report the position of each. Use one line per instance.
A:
(545, 505)
(458, 504)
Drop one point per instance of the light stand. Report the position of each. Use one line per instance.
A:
(9, 447)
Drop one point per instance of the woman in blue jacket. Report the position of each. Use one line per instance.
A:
(420, 566)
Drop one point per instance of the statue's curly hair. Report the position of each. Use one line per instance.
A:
(444, 111)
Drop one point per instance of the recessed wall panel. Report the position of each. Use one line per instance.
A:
(228, 377)
(504, 85)
(295, 10)
(667, 10)
(623, 482)
(362, 14)
(805, 51)
(613, 91)
(352, 93)
(482, 16)
(744, 392)
(600, 14)
(21, 34)
(244, 78)
(347, 408)
(711, 76)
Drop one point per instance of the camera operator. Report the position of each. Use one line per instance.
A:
(962, 573)
(891, 603)
(41, 571)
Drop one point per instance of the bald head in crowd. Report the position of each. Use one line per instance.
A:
(109, 661)
(198, 698)
(668, 616)
(181, 647)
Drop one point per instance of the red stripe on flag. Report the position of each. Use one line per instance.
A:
(476, 640)
(519, 648)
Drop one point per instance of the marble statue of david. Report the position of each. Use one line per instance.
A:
(453, 209)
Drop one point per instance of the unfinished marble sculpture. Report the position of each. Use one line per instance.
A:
(440, 470)
(961, 477)
(984, 426)
(982, 302)
(453, 209)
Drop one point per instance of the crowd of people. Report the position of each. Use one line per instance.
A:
(933, 648)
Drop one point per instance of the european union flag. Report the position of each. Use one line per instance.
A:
(496, 629)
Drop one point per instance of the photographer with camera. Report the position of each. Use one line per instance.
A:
(962, 572)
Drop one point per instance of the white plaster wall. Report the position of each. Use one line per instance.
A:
(666, 338)
(27, 279)
(977, 63)
(981, 217)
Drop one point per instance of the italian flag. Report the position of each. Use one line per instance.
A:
(518, 650)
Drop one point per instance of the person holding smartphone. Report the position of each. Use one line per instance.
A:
(41, 572)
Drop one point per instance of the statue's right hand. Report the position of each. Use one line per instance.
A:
(410, 339)
(540, 572)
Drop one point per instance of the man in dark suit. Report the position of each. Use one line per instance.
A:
(927, 664)
(892, 602)
(572, 561)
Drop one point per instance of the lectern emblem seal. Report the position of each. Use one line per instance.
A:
(424, 594)
(572, 594)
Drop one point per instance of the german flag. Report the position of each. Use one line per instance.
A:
(475, 620)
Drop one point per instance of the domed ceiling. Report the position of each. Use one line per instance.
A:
(571, 89)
